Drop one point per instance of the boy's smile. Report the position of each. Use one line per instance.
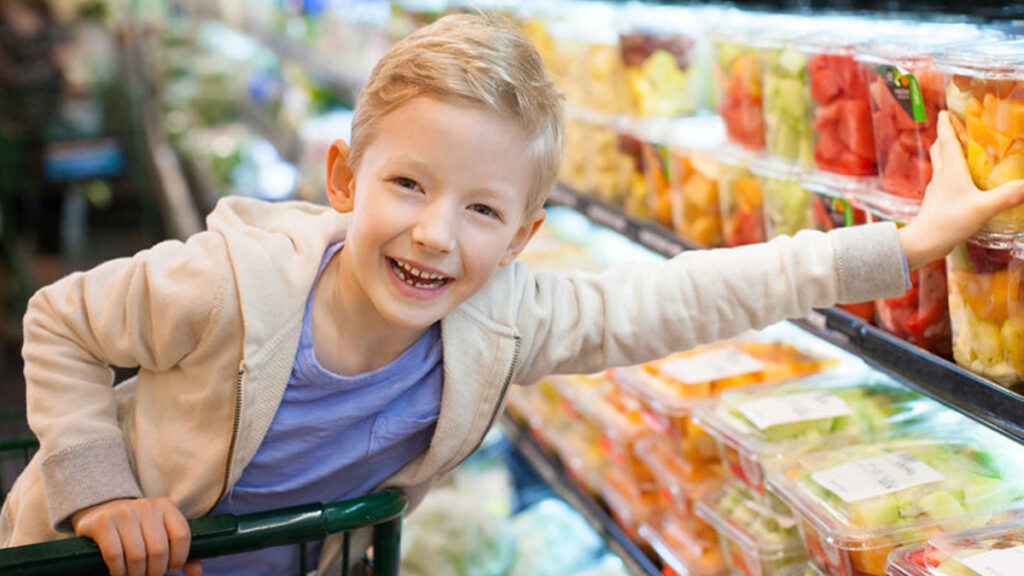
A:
(438, 201)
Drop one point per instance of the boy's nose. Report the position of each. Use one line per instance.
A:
(435, 229)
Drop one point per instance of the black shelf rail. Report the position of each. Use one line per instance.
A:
(981, 399)
(557, 477)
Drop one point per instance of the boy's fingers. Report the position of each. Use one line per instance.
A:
(193, 568)
(1006, 196)
(180, 538)
(134, 548)
(109, 542)
(157, 548)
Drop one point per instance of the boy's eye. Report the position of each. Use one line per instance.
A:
(407, 183)
(485, 210)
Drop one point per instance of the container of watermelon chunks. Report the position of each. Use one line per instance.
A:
(859, 503)
(996, 550)
(906, 93)
(921, 315)
(985, 97)
(840, 111)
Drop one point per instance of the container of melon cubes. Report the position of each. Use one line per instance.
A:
(857, 504)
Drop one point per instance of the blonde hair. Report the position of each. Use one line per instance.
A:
(476, 58)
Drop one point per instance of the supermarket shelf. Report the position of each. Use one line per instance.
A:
(556, 476)
(977, 397)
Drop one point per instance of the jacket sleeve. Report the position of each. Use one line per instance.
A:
(150, 311)
(581, 323)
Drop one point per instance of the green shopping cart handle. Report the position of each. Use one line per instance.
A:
(218, 535)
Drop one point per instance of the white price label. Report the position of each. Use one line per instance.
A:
(767, 412)
(1005, 562)
(712, 365)
(878, 476)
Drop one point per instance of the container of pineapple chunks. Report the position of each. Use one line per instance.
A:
(758, 537)
(989, 551)
(857, 504)
(763, 427)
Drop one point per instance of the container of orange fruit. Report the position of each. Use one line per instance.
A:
(985, 96)
(669, 389)
(682, 548)
(658, 182)
(741, 198)
(678, 482)
(906, 93)
(985, 308)
(693, 176)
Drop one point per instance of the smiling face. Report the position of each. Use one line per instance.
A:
(438, 200)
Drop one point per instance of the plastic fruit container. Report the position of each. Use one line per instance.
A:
(787, 204)
(681, 549)
(669, 388)
(741, 198)
(985, 311)
(631, 505)
(736, 72)
(657, 177)
(785, 95)
(678, 482)
(762, 428)
(694, 175)
(604, 85)
(840, 112)
(608, 168)
(989, 551)
(906, 93)
(837, 202)
(856, 504)
(635, 202)
(659, 46)
(757, 539)
(802, 569)
(921, 315)
(985, 95)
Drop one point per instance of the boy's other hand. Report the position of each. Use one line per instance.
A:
(953, 208)
(145, 536)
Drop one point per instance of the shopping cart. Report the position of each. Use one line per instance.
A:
(227, 534)
(213, 535)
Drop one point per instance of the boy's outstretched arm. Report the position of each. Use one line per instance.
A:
(953, 208)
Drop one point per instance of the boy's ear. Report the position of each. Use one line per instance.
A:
(340, 180)
(530, 226)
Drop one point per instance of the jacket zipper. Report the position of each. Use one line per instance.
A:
(236, 424)
(504, 392)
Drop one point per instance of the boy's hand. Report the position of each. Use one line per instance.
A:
(146, 536)
(953, 208)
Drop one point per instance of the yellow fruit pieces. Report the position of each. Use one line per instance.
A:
(994, 139)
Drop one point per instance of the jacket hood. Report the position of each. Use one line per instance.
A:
(275, 250)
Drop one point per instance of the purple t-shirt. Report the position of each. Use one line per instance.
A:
(334, 437)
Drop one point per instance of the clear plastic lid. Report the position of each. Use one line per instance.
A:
(896, 491)
(787, 30)
(996, 60)
(742, 27)
(922, 41)
(769, 167)
(659, 20)
(844, 35)
(801, 569)
(695, 134)
(674, 384)
(837, 185)
(681, 549)
(775, 421)
(995, 550)
(751, 523)
(739, 156)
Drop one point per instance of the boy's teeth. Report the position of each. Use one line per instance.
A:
(414, 277)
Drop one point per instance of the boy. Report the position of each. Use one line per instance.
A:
(293, 353)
